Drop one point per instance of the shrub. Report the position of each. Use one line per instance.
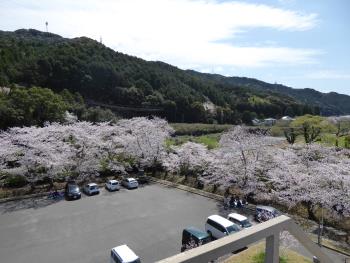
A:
(347, 142)
(15, 181)
(260, 258)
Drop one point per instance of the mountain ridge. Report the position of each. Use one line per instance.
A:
(31, 57)
(299, 94)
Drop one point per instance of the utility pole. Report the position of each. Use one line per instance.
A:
(47, 24)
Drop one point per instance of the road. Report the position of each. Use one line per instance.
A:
(149, 219)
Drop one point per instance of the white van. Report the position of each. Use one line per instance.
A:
(240, 220)
(218, 226)
(123, 254)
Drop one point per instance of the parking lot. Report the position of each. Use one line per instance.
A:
(149, 219)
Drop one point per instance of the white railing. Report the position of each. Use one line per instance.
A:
(269, 230)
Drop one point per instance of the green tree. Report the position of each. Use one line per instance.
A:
(290, 135)
(247, 117)
(97, 114)
(311, 133)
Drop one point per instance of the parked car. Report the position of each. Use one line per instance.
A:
(141, 177)
(123, 254)
(192, 237)
(72, 190)
(112, 185)
(264, 213)
(218, 226)
(240, 220)
(130, 183)
(91, 189)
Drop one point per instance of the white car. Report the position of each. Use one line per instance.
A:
(91, 189)
(130, 183)
(112, 185)
(218, 226)
(123, 254)
(240, 220)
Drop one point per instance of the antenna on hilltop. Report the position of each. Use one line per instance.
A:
(101, 39)
(47, 24)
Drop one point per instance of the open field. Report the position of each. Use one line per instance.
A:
(209, 140)
(196, 129)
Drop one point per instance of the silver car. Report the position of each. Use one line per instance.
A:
(112, 185)
(91, 189)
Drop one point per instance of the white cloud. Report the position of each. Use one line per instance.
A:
(186, 33)
(328, 74)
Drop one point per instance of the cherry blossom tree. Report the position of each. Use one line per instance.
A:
(81, 149)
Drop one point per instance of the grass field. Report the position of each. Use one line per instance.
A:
(210, 140)
(254, 254)
(197, 129)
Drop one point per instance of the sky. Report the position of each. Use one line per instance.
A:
(299, 43)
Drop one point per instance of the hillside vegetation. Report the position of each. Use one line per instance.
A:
(101, 75)
(329, 103)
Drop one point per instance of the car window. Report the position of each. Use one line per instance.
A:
(115, 183)
(115, 258)
(246, 223)
(216, 225)
(233, 229)
(234, 220)
(73, 188)
(210, 222)
(185, 237)
(221, 228)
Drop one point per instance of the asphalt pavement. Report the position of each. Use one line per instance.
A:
(149, 220)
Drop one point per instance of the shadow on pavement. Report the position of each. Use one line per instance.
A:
(34, 203)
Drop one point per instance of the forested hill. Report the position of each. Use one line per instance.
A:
(99, 74)
(330, 103)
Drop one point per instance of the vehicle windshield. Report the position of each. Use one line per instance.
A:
(115, 183)
(73, 188)
(246, 223)
(232, 229)
(93, 187)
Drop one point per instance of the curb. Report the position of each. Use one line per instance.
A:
(22, 197)
(336, 250)
(195, 191)
(188, 189)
